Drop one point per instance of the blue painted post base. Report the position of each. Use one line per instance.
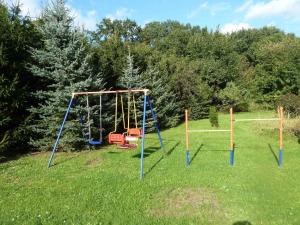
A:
(187, 158)
(231, 157)
(280, 158)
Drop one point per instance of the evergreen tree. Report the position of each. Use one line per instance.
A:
(63, 65)
(131, 77)
(163, 99)
(18, 33)
(213, 116)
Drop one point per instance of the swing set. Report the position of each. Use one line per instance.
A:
(231, 130)
(120, 139)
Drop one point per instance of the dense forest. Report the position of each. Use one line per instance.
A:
(44, 60)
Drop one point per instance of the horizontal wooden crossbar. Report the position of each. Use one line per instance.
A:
(204, 131)
(145, 91)
(267, 119)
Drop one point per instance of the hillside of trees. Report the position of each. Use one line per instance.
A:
(42, 61)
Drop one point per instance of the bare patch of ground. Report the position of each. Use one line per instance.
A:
(35, 154)
(94, 162)
(188, 202)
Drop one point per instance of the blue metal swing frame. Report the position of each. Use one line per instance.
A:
(147, 101)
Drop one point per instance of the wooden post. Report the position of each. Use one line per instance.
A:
(231, 138)
(280, 136)
(187, 155)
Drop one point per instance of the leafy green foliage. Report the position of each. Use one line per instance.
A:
(291, 104)
(277, 67)
(186, 67)
(233, 97)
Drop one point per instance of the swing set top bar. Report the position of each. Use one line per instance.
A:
(145, 91)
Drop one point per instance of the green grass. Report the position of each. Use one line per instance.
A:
(103, 187)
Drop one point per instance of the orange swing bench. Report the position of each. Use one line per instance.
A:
(132, 134)
(113, 137)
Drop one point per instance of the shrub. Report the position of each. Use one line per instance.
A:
(233, 96)
(213, 116)
(291, 104)
(296, 131)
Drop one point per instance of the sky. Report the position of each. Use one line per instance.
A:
(230, 16)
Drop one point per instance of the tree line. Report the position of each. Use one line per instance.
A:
(44, 60)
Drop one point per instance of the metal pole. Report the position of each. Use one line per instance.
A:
(147, 91)
(89, 122)
(231, 138)
(60, 131)
(100, 117)
(143, 138)
(187, 151)
(155, 122)
(280, 137)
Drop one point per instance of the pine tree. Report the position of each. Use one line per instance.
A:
(165, 107)
(163, 99)
(63, 66)
(131, 79)
(16, 82)
(213, 116)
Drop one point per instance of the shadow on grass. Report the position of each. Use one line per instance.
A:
(242, 223)
(4, 159)
(114, 152)
(173, 148)
(162, 157)
(154, 165)
(147, 152)
(273, 153)
(196, 153)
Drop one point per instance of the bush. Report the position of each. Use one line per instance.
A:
(296, 131)
(213, 116)
(291, 104)
(233, 96)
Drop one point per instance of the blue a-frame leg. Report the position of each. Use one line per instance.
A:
(147, 99)
(60, 131)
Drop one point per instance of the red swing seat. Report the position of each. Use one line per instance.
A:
(118, 139)
(135, 132)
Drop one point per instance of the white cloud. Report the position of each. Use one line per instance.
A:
(273, 8)
(121, 14)
(234, 27)
(244, 6)
(29, 7)
(33, 8)
(87, 20)
(204, 4)
(213, 9)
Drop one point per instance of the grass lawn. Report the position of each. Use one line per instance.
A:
(103, 187)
